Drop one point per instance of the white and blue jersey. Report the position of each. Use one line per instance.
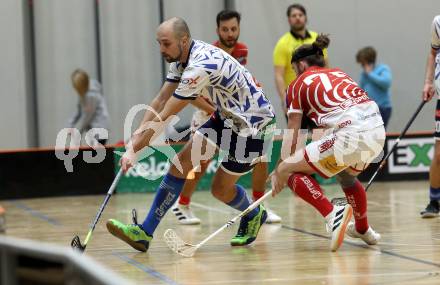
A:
(435, 44)
(240, 103)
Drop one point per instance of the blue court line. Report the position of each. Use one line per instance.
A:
(35, 213)
(387, 252)
(146, 269)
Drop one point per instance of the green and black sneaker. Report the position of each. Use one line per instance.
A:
(132, 234)
(248, 229)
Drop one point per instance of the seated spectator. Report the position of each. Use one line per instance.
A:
(92, 110)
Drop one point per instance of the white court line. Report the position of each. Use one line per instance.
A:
(409, 204)
(233, 212)
(375, 203)
(326, 276)
(410, 245)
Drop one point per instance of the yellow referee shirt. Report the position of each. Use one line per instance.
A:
(282, 53)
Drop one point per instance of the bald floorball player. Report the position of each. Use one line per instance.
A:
(242, 126)
(228, 31)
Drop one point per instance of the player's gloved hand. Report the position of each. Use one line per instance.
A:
(428, 91)
(279, 179)
(128, 159)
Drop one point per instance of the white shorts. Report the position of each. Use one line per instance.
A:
(345, 149)
(198, 119)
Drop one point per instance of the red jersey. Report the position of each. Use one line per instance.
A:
(240, 52)
(331, 99)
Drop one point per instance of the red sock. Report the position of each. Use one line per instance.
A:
(357, 198)
(309, 190)
(184, 200)
(257, 195)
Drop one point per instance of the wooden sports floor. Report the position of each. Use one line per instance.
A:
(295, 252)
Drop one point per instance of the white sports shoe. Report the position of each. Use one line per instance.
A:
(272, 218)
(370, 237)
(337, 222)
(184, 214)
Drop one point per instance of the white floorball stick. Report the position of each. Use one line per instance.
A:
(179, 246)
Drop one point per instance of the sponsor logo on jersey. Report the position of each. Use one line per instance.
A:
(190, 81)
(354, 101)
(366, 117)
(344, 124)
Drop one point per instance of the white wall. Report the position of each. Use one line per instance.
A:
(400, 31)
(13, 77)
(64, 40)
(200, 16)
(131, 62)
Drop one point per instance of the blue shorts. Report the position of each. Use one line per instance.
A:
(240, 153)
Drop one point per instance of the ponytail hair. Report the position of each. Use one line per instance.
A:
(312, 54)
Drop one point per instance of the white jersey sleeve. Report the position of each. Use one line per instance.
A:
(435, 31)
(192, 83)
(175, 72)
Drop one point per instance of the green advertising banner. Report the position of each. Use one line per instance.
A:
(146, 175)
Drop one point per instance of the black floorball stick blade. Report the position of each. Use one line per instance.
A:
(76, 244)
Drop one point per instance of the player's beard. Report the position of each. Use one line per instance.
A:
(170, 59)
(296, 28)
(229, 43)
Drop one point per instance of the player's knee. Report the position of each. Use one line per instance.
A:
(217, 192)
(204, 164)
(436, 157)
(345, 179)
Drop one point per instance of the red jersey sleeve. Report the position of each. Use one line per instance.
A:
(293, 97)
(240, 53)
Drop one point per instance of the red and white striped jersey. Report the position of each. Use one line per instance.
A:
(331, 99)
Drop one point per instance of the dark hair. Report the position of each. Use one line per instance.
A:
(298, 7)
(366, 55)
(226, 15)
(312, 54)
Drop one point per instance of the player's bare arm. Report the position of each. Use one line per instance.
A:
(428, 88)
(160, 101)
(203, 105)
(279, 82)
(283, 170)
(294, 124)
(148, 131)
